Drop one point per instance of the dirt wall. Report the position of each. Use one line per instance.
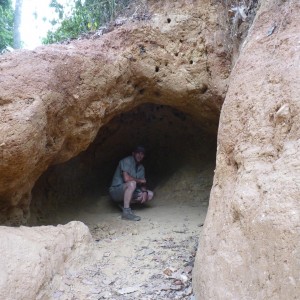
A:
(55, 99)
(250, 246)
(31, 257)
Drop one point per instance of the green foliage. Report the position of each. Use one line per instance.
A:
(6, 24)
(85, 16)
(5, 4)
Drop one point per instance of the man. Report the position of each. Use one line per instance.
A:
(129, 183)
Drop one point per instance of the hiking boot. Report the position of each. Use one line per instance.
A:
(129, 215)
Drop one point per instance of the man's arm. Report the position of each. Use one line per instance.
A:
(140, 182)
(127, 177)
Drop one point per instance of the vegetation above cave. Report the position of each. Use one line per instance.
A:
(85, 16)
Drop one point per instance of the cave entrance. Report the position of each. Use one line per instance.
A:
(179, 165)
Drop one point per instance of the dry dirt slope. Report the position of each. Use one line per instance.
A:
(150, 259)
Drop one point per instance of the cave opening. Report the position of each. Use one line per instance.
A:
(179, 163)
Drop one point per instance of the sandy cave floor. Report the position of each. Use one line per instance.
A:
(149, 259)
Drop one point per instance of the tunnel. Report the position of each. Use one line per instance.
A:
(179, 164)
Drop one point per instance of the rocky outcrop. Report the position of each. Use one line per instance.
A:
(250, 247)
(31, 257)
(53, 100)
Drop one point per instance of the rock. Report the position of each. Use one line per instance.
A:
(76, 89)
(184, 278)
(148, 252)
(57, 294)
(128, 290)
(188, 269)
(108, 281)
(188, 291)
(176, 287)
(168, 272)
(105, 295)
(180, 231)
(163, 287)
(55, 99)
(250, 243)
(32, 256)
(178, 282)
(88, 282)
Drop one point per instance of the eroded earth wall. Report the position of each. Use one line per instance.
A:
(53, 100)
(251, 243)
(31, 257)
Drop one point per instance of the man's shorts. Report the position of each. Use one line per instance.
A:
(117, 193)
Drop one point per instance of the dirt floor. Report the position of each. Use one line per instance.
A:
(149, 259)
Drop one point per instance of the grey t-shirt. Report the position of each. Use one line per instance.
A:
(128, 165)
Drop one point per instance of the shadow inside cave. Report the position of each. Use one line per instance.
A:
(179, 165)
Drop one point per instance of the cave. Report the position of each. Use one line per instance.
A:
(179, 163)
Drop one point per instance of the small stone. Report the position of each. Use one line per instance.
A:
(188, 291)
(85, 281)
(134, 232)
(184, 278)
(163, 287)
(57, 294)
(112, 232)
(188, 269)
(176, 287)
(168, 272)
(157, 258)
(107, 281)
(180, 231)
(148, 252)
(105, 295)
(128, 290)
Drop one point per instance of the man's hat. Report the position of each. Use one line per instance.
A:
(139, 149)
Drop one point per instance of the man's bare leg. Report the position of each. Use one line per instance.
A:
(128, 192)
(129, 189)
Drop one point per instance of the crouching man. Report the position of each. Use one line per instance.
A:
(129, 183)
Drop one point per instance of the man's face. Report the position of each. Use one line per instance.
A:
(138, 156)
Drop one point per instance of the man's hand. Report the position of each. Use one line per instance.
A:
(141, 181)
(144, 196)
